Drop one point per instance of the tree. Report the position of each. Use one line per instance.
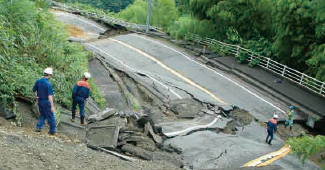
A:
(295, 32)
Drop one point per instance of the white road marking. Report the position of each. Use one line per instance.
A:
(166, 87)
(171, 134)
(63, 13)
(184, 78)
(264, 100)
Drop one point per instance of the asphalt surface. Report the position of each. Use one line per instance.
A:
(228, 90)
(172, 67)
(297, 94)
(91, 29)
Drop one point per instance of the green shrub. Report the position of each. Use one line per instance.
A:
(242, 57)
(307, 146)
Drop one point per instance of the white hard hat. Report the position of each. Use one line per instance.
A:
(276, 116)
(48, 71)
(87, 75)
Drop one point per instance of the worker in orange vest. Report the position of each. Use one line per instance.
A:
(272, 126)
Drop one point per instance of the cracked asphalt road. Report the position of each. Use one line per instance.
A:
(170, 64)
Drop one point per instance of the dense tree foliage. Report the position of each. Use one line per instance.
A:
(110, 5)
(289, 31)
(32, 40)
(163, 13)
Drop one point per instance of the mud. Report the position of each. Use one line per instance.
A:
(240, 118)
(75, 32)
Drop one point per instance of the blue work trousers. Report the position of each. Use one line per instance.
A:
(269, 134)
(45, 111)
(81, 102)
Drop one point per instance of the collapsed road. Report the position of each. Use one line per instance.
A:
(152, 77)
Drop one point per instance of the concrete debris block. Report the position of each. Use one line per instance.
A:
(102, 115)
(186, 108)
(209, 112)
(226, 108)
(201, 114)
(113, 121)
(149, 155)
(154, 113)
(133, 138)
(103, 136)
(149, 131)
(137, 151)
(147, 146)
(218, 112)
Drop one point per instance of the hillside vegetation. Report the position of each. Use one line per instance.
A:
(32, 40)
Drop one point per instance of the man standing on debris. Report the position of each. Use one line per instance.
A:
(80, 93)
(291, 113)
(271, 128)
(44, 97)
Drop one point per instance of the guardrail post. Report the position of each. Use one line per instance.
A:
(268, 61)
(284, 70)
(321, 89)
(237, 50)
(302, 78)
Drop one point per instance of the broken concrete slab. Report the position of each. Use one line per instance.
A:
(171, 129)
(134, 138)
(226, 108)
(102, 115)
(103, 136)
(113, 121)
(207, 111)
(186, 108)
(149, 131)
(139, 152)
(149, 155)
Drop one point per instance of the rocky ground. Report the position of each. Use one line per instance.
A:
(21, 148)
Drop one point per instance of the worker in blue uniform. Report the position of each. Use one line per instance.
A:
(272, 125)
(80, 93)
(44, 97)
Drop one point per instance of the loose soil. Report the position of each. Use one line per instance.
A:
(23, 149)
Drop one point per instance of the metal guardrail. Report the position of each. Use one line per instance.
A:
(267, 63)
(107, 19)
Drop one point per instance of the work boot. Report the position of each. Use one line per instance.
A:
(82, 121)
(52, 133)
(73, 116)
